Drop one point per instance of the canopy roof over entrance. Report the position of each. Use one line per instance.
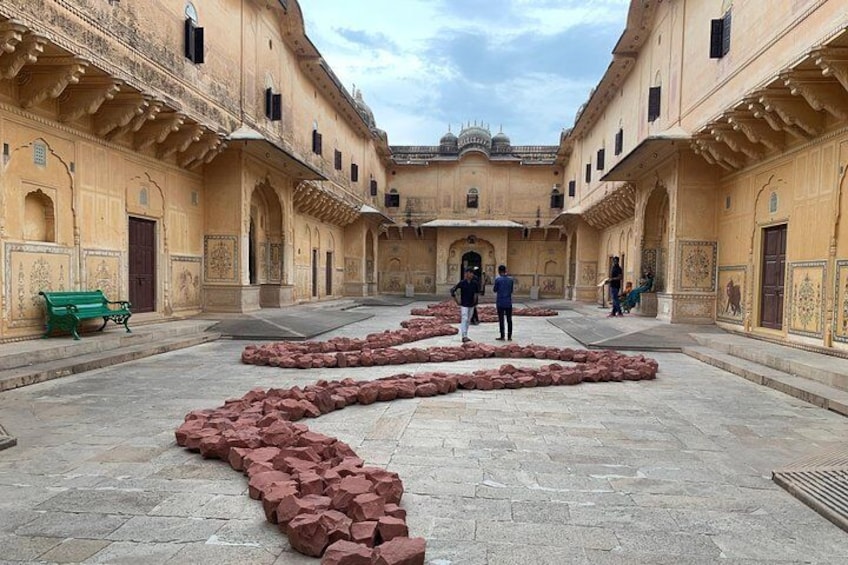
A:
(471, 224)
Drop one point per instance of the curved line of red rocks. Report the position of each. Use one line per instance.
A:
(315, 487)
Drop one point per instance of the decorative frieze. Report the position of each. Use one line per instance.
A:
(696, 266)
(103, 269)
(31, 268)
(806, 301)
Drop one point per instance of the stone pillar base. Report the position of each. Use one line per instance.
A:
(648, 305)
(275, 295)
(686, 308)
(355, 289)
(231, 298)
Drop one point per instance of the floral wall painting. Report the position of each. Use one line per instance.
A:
(731, 294)
(806, 285)
(221, 258)
(697, 266)
(840, 314)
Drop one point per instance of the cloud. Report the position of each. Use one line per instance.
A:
(422, 64)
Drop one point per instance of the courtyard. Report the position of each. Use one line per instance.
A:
(674, 470)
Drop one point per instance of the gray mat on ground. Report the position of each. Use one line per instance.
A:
(286, 324)
(386, 301)
(599, 334)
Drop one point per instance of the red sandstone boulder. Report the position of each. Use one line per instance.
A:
(262, 481)
(366, 506)
(308, 535)
(400, 551)
(364, 532)
(390, 528)
(294, 505)
(345, 552)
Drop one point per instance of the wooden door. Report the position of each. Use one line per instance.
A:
(314, 272)
(774, 269)
(142, 263)
(329, 273)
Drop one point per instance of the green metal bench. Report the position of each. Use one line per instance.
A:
(65, 310)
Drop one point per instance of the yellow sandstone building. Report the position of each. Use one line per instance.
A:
(193, 156)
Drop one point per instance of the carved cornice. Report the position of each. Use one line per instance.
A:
(792, 110)
(25, 52)
(833, 62)
(616, 206)
(119, 112)
(196, 153)
(716, 153)
(820, 92)
(87, 97)
(724, 133)
(757, 131)
(180, 140)
(48, 78)
(147, 114)
(774, 121)
(158, 130)
(324, 203)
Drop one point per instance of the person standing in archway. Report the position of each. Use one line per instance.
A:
(615, 276)
(504, 285)
(468, 289)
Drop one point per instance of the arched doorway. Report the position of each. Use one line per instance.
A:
(369, 261)
(471, 259)
(655, 237)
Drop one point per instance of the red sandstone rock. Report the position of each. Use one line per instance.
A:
(348, 489)
(366, 506)
(294, 505)
(307, 534)
(395, 511)
(390, 528)
(364, 532)
(347, 553)
(261, 481)
(272, 497)
(400, 551)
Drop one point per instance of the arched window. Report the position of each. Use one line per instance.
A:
(472, 199)
(191, 12)
(557, 198)
(193, 40)
(39, 223)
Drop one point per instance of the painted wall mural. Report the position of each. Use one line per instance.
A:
(103, 271)
(523, 284)
(588, 273)
(697, 266)
(731, 294)
(221, 258)
(186, 282)
(840, 314)
(32, 268)
(551, 285)
(806, 312)
(275, 273)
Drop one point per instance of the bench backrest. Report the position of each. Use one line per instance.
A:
(81, 299)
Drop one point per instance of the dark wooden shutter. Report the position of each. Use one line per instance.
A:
(338, 160)
(572, 188)
(188, 39)
(354, 172)
(269, 96)
(277, 107)
(588, 172)
(725, 34)
(198, 46)
(619, 141)
(316, 142)
(654, 94)
(600, 159)
(716, 38)
(373, 187)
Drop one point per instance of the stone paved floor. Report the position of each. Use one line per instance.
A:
(673, 471)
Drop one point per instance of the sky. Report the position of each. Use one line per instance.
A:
(523, 66)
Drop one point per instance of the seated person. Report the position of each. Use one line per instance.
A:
(633, 297)
(628, 286)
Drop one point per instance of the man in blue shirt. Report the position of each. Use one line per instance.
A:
(468, 289)
(615, 286)
(504, 284)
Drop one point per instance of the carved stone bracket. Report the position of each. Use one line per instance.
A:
(11, 34)
(736, 141)
(793, 111)
(119, 112)
(774, 121)
(26, 52)
(147, 114)
(820, 92)
(615, 207)
(158, 130)
(324, 204)
(180, 140)
(48, 78)
(717, 153)
(196, 153)
(757, 131)
(833, 62)
(87, 97)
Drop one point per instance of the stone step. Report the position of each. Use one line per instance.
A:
(808, 390)
(89, 361)
(828, 370)
(36, 351)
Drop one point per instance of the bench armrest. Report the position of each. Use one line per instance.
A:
(123, 303)
(72, 308)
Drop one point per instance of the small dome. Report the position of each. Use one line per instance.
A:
(363, 109)
(448, 139)
(475, 137)
(500, 143)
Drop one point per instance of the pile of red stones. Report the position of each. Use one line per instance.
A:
(318, 354)
(315, 487)
(449, 312)
(281, 355)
